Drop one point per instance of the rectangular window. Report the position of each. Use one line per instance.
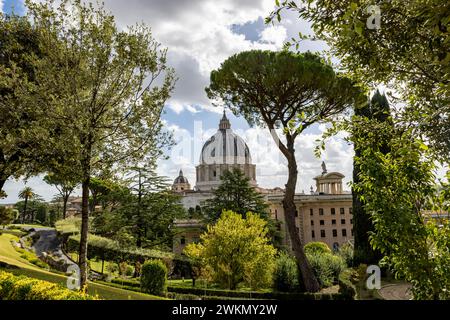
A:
(333, 222)
(312, 222)
(351, 221)
(321, 212)
(322, 222)
(342, 221)
(296, 213)
(183, 240)
(350, 210)
(311, 212)
(352, 232)
(342, 210)
(322, 233)
(334, 233)
(344, 232)
(313, 235)
(333, 211)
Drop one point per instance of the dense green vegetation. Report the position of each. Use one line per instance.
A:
(286, 90)
(24, 288)
(236, 250)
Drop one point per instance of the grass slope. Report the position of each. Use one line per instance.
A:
(10, 256)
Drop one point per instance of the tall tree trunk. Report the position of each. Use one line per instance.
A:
(24, 210)
(84, 230)
(65, 200)
(309, 280)
(2, 182)
(86, 165)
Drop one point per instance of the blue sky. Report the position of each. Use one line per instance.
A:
(17, 5)
(200, 34)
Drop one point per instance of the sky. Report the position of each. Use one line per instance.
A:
(200, 35)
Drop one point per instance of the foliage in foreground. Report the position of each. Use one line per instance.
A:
(236, 250)
(154, 277)
(398, 186)
(326, 267)
(24, 288)
(286, 278)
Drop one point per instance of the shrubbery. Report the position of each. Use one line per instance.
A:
(32, 258)
(154, 277)
(317, 247)
(286, 278)
(346, 252)
(326, 265)
(24, 288)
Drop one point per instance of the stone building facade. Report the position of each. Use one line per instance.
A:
(323, 215)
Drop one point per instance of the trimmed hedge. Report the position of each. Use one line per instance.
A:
(154, 277)
(184, 293)
(110, 250)
(255, 294)
(24, 288)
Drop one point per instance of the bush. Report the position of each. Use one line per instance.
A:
(326, 267)
(347, 287)
(346, 253)
(154, 277)
(24, 288)
(286, 273)
(317, 247)
(129, 271)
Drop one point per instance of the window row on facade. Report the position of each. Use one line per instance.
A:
(333, 222)
(334, 233)
(332, 211)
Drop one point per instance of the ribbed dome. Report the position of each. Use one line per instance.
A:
(225, 147)
(180, 178)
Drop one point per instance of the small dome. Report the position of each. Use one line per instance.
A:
(225, 147)
(180, 178)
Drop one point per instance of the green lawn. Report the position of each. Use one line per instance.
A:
(10, 256)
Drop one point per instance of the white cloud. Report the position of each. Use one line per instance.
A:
(275, 35)
(271, 166)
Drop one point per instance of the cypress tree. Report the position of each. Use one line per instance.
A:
(376, 110)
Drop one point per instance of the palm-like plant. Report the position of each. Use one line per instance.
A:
(27, 194)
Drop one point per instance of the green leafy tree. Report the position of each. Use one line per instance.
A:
(236, 194)
(7, 216)
(26, 131)
(27, 194)
(396, 187)
(65, 187)
(236, 250)
(409, 51)
(105, 83)
(37, 209)
(288, 91)
(377, 110)
(146, 210)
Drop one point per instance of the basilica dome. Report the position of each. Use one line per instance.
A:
(225, 147)
(224, 151)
